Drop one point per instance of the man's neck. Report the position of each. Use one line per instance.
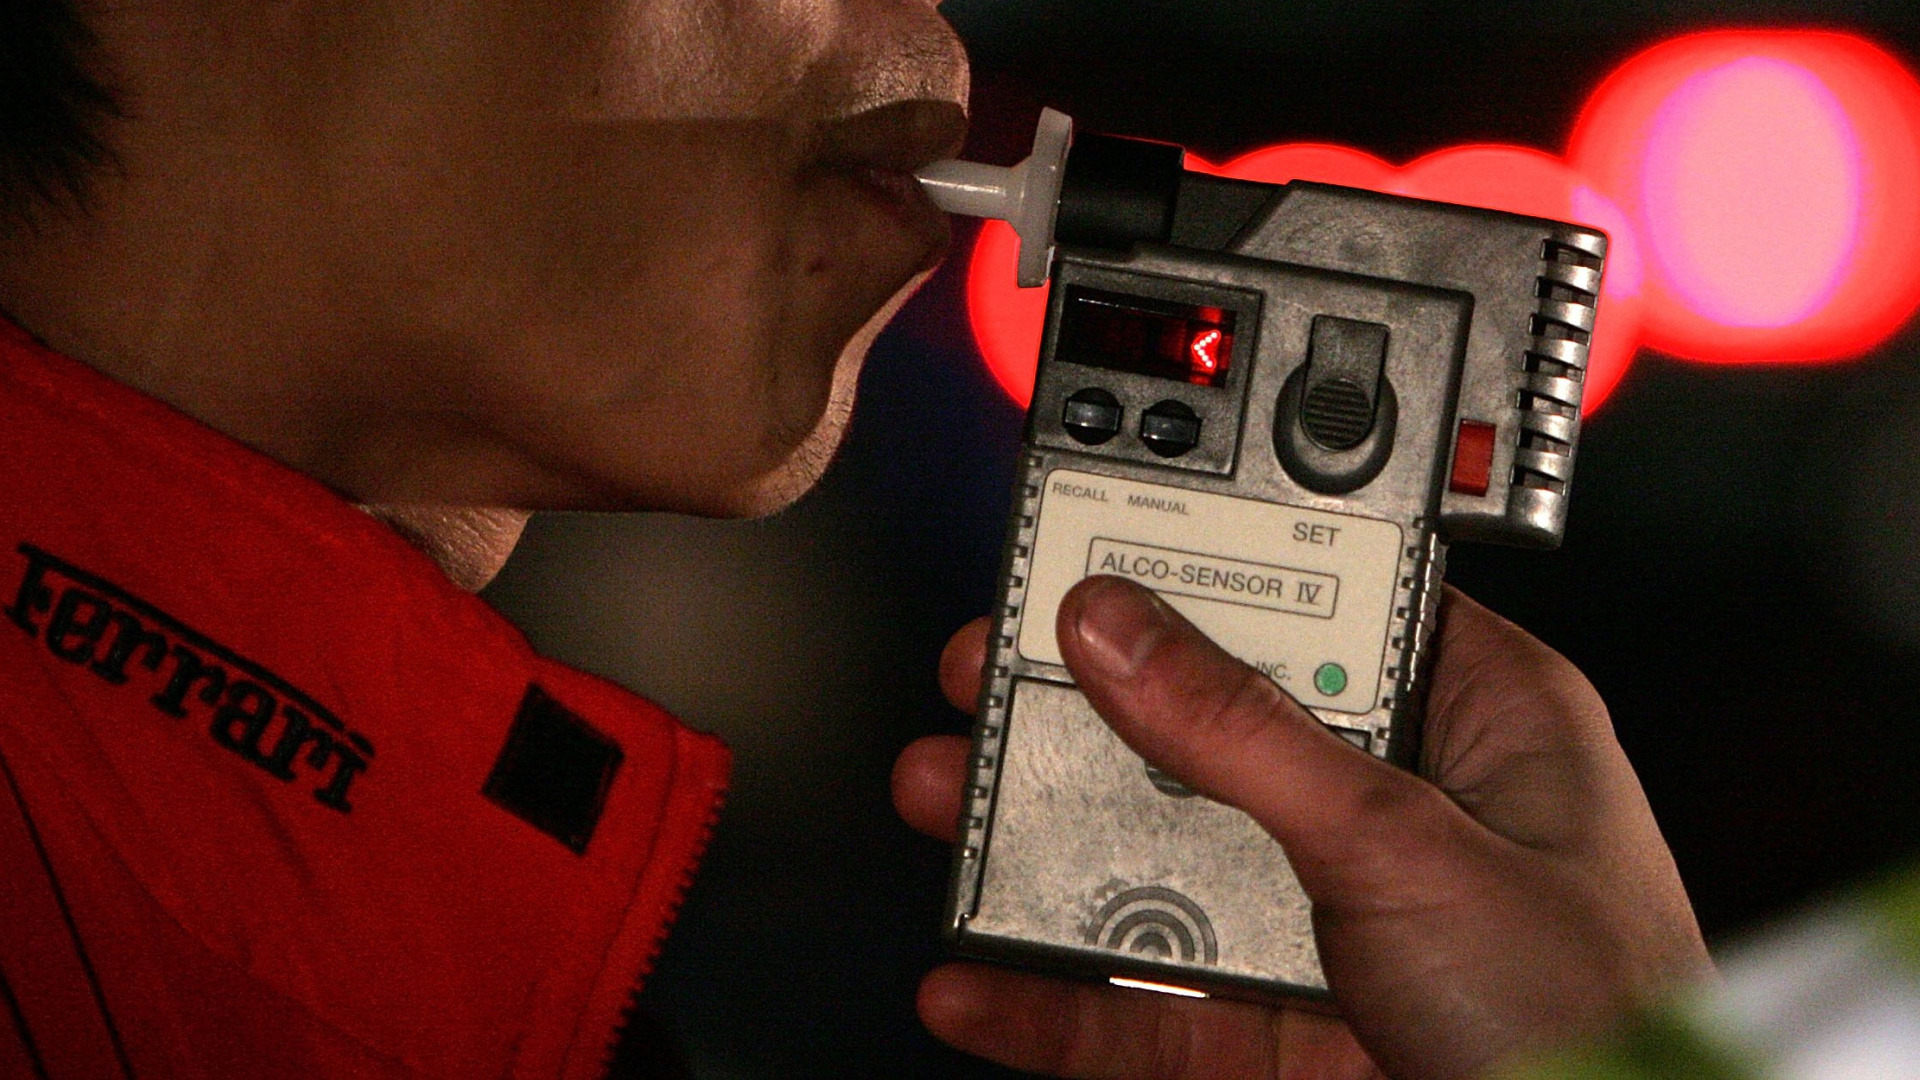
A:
(471, 544)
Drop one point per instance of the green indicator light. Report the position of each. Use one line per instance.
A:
(1330, 680)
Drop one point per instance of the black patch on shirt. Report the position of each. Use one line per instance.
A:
(555, 771)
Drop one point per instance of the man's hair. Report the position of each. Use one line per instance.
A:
(51, 106)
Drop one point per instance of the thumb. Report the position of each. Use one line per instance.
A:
(1350, 823)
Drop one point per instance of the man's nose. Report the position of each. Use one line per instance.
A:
(904, 50)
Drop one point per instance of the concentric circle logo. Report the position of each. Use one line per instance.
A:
(1155, 922)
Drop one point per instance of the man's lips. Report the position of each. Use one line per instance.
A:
(894, 183)
(875, 153)
(899, 137)
(899, 195)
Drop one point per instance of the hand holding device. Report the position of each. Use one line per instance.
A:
(1262, 414)
(1521, 896)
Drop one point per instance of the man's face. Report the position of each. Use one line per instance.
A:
(620, 253)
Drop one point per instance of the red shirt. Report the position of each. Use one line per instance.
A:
(276, 798)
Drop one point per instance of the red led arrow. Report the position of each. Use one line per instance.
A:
(1205, 363)
(1762, 191)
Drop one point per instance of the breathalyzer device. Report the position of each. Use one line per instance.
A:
(1274, 405)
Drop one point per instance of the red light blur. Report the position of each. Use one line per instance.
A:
(1320, 163)
(1008, 321)
(1761, 190)
(1775, 180)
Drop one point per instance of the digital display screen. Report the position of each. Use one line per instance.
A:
(1166, 340)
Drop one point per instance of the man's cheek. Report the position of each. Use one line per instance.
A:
(850, 262)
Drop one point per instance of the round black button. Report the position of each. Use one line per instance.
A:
(1170, 428)
(1092, 416)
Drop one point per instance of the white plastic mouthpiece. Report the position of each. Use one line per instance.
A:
(1025, 196)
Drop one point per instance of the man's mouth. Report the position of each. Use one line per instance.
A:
(875, 153)
(898, 195)
(901, 137)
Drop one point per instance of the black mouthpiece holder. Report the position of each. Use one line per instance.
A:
(1118, 192)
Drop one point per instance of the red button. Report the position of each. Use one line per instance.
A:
(1472, 458)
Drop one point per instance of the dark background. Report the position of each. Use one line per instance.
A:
(1739, 577)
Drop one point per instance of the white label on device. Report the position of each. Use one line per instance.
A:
(1303, 595)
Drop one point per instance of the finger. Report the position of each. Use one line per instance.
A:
(962, 662)
(1347, 819)
(1086, 1030)
(1509, 718)
(928, 778)
(1519, 738)
(1491, 677)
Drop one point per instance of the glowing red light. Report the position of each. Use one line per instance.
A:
(1008, 321)
(1761, 190)
(1205, 362)
(1318, 162)
(1775, 180)
(1726, 154)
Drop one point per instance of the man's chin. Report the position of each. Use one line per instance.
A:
(784, 485)
(803, 467)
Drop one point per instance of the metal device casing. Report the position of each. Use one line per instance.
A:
(1073, 855)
